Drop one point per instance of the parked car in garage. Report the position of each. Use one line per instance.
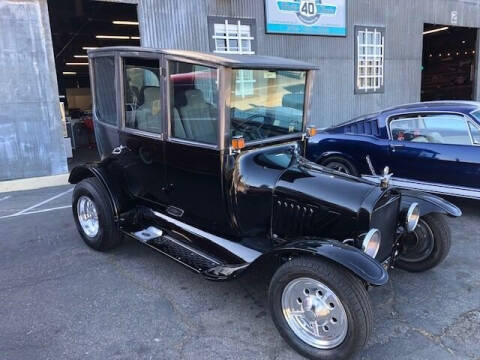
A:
(216, 179)
(430, 146)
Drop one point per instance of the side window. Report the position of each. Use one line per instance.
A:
(431, 128)
(105, 99)
(193, 102)
(142, 94)
(475, 131)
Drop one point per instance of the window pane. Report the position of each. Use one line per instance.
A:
(194, 98)
(275, 106)
(438, 129)
(475, 131)
(143, 102)
(105, 101)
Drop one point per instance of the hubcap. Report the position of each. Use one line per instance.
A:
(87, 216)
(418, 245)
(314, 313)
(339, 167)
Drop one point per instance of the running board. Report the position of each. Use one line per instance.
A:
(192, 258)
(435, 188)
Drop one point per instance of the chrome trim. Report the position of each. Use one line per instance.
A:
(368, 237)
(436, 188)
(245, 253)
(411, 209)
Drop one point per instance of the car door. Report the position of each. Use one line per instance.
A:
(193, 158)
(431, 147)
(142, 156)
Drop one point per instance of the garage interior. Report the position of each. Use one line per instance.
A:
(76, 27)
(448, 71)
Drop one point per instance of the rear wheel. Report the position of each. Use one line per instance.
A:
(427, 246)
(320, 309)
(93, 215)
(340, 164)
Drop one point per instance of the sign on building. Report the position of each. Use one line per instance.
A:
(306, 17)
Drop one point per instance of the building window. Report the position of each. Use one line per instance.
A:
(369, 59)
(234, 36)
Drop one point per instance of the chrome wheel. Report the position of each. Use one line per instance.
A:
(314, 313)
(87, 216)
(338, 166)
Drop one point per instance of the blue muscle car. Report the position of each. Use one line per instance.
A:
(430, 146)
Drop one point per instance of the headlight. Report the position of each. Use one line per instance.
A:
(413, 215)
(371, 242)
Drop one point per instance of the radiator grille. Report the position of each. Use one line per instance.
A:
(385, 218)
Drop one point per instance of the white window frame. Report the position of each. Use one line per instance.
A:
(370, 59)
(233, 32)
(245, 79)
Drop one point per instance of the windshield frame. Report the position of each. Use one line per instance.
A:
(273, 139)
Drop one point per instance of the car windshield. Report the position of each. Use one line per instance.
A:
(266, 103)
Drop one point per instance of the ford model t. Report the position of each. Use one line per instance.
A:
(202, 160)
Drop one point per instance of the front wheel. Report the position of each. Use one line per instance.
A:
(320, 309)
(427, 246)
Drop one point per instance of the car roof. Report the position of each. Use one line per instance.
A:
(461, 106)
(227, 60)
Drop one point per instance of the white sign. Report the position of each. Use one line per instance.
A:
(306, 17)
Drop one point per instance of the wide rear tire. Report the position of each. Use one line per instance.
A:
(307, 294)
(93, 215)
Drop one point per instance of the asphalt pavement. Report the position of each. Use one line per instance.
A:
(61, 300)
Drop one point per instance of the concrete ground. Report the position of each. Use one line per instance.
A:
(61, 300)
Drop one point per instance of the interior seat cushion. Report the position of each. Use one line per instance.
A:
(198, 117)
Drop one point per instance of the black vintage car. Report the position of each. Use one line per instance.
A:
(202, 160)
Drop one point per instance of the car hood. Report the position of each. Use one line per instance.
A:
(332, 204)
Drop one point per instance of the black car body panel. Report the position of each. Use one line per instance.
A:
(219, 209)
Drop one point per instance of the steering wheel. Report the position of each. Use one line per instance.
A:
(255, 130)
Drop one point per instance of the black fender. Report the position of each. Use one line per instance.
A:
(359, 263)
(81, 172)
(428, 203)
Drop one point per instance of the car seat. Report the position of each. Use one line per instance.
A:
(148, 115)
(199, 118)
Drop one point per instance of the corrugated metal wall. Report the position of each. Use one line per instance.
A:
(31, 140)
(183, 24)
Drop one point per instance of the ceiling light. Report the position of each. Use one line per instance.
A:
(75, 64)
(89, 48)
(435, 30)
(117, 37)
(69, 73)
(80, 56)
(463, 42)
(448, 54)
(123, 22)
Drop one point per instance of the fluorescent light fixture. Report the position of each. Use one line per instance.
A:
(80, 56)
(75, 64)
(89, 48)
(69, 73)
(135, 37)
(123, 22)
(116, 37)
(435, 30)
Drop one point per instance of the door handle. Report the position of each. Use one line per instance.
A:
(396, 146)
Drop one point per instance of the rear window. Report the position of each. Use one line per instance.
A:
(104, 91)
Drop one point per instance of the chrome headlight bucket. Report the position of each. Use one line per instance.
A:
(413, 215)
(371, 242)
